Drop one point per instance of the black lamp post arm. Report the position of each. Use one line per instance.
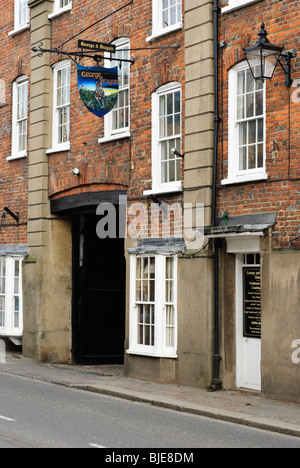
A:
(285, 63)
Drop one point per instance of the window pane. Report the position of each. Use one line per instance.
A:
(2, 311)
(250, 105)
(259, 105)
(243, 133)
(241, 82)
(16, 311)
(260, 130)
(172, 171)
(170, 129)
(252, 131)
(169, 104)
(115, 119)
(177, 102)
(177, 129)
(138, 268)
(170, 326)
(152, 290)
(164, 151)
(251, 157)
(152, 268)
(162, 106)
(249, 81)
(260, 155)
(243, 158)
(161, 127)
(164, 172)
(240, 107)
(169, 268)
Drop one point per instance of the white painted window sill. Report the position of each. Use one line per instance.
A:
(117, 136)
(238, 6)
(150, 353)
(164, 190)
(59, 148)
(15, 157)
(164, 32)
(19, 30)
(245, 178)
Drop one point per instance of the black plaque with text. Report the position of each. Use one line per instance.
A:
(252, 302)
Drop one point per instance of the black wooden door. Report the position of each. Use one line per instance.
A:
(98, 295)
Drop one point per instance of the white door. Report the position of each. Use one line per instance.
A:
(248, 325)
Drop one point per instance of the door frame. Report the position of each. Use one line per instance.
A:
(79, 297)
(240, 341)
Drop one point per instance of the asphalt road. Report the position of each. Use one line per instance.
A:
(41, 415)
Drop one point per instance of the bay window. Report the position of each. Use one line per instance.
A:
(153, 305)
(11, 314)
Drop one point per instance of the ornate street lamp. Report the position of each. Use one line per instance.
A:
(263, 58)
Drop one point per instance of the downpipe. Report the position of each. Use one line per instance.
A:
(216, 382)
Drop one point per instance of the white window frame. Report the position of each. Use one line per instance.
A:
(20, 84)
(159, 348)
(56, 145)
(235, 4)
(235, 175)
(111, 134)
(157, 20)
(10, 289)
(59, 9)
(157, 185)
(20, 25)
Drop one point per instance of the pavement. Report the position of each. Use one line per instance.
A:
(238, 407)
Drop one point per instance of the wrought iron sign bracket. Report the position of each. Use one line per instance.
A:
(77, 56)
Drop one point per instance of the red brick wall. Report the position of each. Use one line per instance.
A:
(15, 61)
(281, 191)
(123, 164)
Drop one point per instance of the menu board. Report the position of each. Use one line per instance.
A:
(252, 302)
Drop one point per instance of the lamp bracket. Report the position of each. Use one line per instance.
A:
(285, 63)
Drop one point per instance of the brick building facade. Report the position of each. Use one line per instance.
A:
(220, 312)
(258, 190)
(14, 118)
(77, 285)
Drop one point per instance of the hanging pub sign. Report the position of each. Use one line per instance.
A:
(98, 88)
(252, 302)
